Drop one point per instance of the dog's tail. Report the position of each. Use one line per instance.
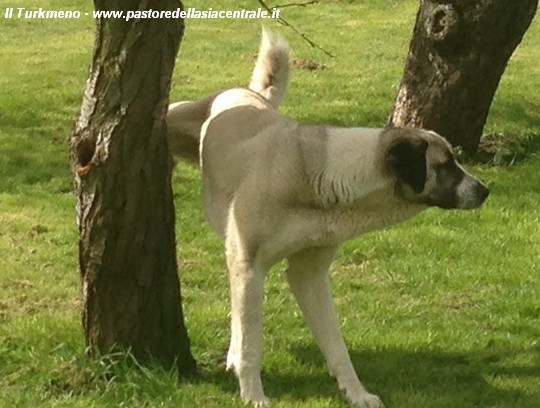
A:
(271, 73)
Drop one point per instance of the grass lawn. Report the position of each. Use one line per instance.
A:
(442, 311)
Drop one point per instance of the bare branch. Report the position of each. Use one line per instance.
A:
(309, 3)
(301, 34)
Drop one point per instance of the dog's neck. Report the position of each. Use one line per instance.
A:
(353, 167)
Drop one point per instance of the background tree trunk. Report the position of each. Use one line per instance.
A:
(127, 250)
(457, 56)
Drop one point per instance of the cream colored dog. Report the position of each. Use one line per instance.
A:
(276, 189)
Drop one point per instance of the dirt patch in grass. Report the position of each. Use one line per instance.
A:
(307, 64)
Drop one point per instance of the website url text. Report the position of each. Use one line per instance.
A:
(190, 13)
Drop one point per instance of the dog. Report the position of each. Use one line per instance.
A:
(275, 189)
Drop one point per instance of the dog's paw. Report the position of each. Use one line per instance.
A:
(251, 390)
(258, 401)
(365, 400)
(262, 404)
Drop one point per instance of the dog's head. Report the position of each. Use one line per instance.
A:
(427, 172)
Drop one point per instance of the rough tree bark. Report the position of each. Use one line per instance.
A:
(127, 251)
(457, 55)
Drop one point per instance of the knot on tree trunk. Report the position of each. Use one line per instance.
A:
(441, 22)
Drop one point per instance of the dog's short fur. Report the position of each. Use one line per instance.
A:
(276, 189)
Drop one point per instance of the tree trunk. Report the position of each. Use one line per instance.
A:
(457, 56)
(127, 249)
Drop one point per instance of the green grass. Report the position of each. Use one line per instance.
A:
(442, 311)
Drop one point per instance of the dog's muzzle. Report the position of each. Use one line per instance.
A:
(471, 193)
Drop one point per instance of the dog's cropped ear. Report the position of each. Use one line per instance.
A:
(407, 159)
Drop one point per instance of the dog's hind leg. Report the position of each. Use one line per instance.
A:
(245, 350)
(309, 281)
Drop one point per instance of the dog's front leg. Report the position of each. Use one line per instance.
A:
(309, 281)
(245, 350)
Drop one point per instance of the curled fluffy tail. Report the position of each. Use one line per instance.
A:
(271, 73)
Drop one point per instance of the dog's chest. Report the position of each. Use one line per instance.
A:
(344, 223)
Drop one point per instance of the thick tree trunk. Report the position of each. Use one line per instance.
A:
(127, 251)
(457, 56)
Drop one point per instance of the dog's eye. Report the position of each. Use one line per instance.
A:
(448, 165)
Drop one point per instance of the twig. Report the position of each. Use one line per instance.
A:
(309, 3)
(301, 34)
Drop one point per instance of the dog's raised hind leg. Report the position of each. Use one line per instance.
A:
(245, 350)
(309, 281)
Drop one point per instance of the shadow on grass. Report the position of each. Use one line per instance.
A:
(504, 149)
(437, 378)
(517, 112)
